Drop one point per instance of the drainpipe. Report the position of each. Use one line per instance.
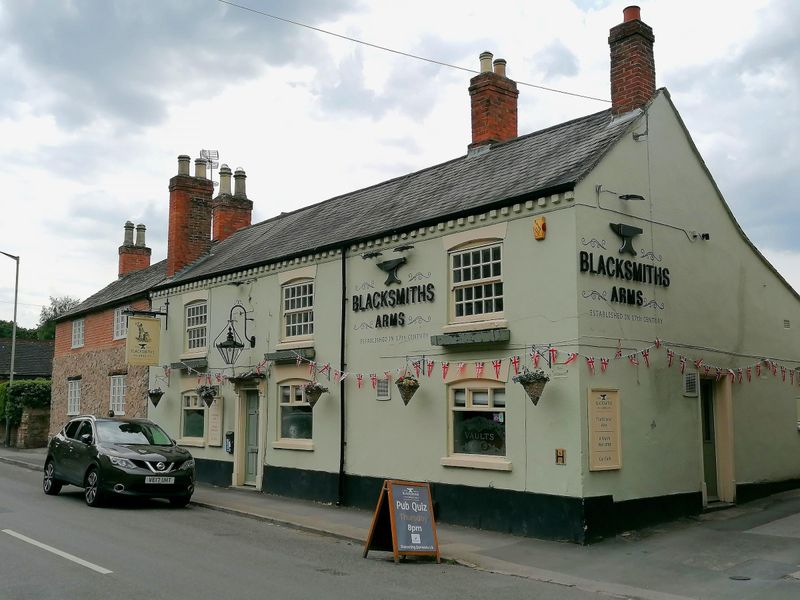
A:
(342, 364)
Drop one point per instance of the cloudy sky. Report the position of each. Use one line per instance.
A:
(99, 97)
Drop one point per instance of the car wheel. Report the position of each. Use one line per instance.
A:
(91, 488)
(180, 501)
(50, 484)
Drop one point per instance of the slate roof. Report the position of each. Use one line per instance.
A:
(539, 163)
(32, 358)
(134, 285)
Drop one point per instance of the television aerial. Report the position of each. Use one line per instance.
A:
(212, 158)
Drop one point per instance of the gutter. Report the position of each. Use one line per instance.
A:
(342, 363)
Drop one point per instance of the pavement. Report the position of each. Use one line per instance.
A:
(746, 551)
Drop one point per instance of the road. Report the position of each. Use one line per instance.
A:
(148, 550)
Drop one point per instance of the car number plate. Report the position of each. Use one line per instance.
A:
(157, 479)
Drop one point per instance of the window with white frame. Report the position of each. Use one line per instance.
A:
(476, 278)
(120, 322)
(193, 417)
(478, 418)
(117, 402)
(74, 397)
(294, 412)
(77, 333)
(196, 325)
(298, 309)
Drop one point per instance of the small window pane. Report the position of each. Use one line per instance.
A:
(479, 433)
(499, 398)
(480, 397)
(459, 397)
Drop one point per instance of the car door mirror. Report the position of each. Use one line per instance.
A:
(86, 438)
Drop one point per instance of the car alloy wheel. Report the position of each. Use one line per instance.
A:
(50, 484)
(91, 489)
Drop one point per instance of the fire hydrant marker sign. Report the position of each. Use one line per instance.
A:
(403, 522)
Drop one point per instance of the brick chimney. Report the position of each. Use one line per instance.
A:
(231, 211)
(189, 234)
(633, 70)
(133, 257)
(493, 98)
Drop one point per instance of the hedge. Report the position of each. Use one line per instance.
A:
(32, 393)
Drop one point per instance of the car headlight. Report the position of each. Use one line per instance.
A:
(189, 464)
(118, 461)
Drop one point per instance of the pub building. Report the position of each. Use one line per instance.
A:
(599, 251)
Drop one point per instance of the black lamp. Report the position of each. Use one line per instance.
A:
(231, 347)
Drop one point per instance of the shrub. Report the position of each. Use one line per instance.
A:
(33, 393)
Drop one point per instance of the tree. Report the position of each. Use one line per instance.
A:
(58, 306)
(7, 330)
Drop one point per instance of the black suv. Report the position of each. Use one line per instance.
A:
(110, 457)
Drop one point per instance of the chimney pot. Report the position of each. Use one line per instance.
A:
(128, 241)
(500, 67)
(183, 164)
(140, 229)
(224, 180)
(631, 13)
(486, 62)
(200, 168)
(239, 186)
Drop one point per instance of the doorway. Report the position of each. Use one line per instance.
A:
(251, 437)
(709, 439)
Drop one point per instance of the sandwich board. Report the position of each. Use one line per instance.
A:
(403, 522)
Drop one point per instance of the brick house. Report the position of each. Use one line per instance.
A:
(90, 375)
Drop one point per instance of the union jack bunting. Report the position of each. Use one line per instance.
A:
(719, 373)
(749, 374)
(496, 364)
(670, 356)
(658, 343)
(535, 356)
(479, 369)
(445, 368)
(417, 366)
(698, 363)
(360, 380)
(373, 378)
(683, 364)
(590, 364)
(553, 355)
(298, 359)
(461, 367)
(634, 361)
(646, 356)
(603, 365)
(311, 367)
(739, 375)
(758, 370)
(430, 365)
(515, 363)
(572, 357)
(783, 373)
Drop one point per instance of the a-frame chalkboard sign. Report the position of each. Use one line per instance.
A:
(403, 522)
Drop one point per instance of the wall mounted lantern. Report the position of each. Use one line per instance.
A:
(232, 345)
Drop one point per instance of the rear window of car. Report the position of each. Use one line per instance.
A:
(120, 432)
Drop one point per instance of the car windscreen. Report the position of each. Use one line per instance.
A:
(121, 432)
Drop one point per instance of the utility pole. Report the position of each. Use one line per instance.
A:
(13, 350)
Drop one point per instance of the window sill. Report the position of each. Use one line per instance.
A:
(202, 353)
(491, 463)
(306, 445)
(294, 344)
(192, 442)
(475, 326)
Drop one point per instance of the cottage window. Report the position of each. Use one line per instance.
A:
(73, 397)
(196, 326)
(476, 283)
(77, 333)
(117, 401)
(298, 309)
(120, 323)
(296, 418)
(478, 419)
(193, 418)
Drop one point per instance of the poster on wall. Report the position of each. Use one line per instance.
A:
(604, 430)
(144, 335)
(215, 422)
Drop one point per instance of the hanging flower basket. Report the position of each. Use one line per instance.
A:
(408, 386)
(312, 391)
(155, 395)
(207, 394)
(533, 382)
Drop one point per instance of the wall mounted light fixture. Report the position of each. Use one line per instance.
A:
(232, 345)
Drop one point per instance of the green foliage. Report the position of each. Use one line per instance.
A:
(58, 306)
(7, 330)
(31, 393)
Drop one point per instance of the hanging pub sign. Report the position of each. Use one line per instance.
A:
(403, 522)
(143, 340)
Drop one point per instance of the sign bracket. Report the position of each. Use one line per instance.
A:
(131, 312)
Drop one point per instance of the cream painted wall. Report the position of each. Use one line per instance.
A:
(722, 296)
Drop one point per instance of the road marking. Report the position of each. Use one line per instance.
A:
(58, 552)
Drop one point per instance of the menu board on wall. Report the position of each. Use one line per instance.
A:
(215, 422)
(605, 433)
